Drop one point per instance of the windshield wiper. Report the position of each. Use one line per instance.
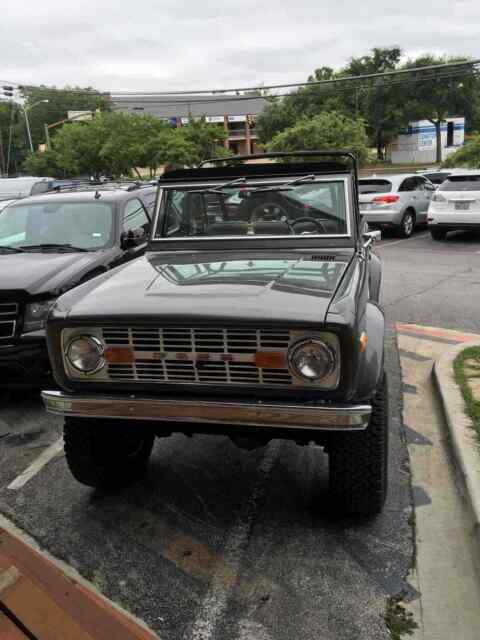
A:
(220, 187)
(5, 247)
(52, 245)
(284, 186)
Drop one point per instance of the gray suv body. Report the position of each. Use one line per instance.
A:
(395, 201)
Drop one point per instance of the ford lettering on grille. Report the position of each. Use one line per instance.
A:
(198, 355)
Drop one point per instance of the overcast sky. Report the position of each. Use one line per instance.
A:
(194, 44)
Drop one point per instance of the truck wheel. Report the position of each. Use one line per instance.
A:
(359, 461)
(106, 454)
(438, 234)
(407, 224)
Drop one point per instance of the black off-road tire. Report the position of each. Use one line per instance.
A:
(406, 230)
(106, 454)
(438, 234)
(358, 463)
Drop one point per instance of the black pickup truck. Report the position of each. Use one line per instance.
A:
(254, 314)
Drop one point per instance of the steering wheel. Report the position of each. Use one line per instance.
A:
(272, 211)
(320, 226)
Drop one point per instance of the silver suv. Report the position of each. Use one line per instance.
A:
(395, 201)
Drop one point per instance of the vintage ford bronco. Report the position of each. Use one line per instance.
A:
(254, 314)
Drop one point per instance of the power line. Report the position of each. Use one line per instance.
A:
(469, 63)
(384, 74)
(185, 102)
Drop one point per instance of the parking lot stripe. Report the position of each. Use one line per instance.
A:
(216, 600)
(381, 245)
(44, 458)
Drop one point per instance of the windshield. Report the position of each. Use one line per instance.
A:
(374, 186)
(461, 183)
(316, 208)
(87, 225)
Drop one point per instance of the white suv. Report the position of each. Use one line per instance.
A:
(455, 205)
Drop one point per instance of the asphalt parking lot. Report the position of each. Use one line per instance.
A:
(217, 542)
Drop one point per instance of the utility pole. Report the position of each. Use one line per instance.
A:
(25, 113)
(2, 158)
(27, 123)
(10, 133)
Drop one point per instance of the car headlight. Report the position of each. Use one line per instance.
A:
(312, 359)
(36, 314)
(86, 354)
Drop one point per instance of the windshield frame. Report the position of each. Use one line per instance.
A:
(161, 241)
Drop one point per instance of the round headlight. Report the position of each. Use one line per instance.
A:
(312, 359)
(85, 354)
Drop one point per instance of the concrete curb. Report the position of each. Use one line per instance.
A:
(464, 446)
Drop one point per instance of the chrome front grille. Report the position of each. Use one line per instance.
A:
(198, 355)
(8, 321)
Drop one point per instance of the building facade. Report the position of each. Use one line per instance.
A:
(236, 114)
(419, 142)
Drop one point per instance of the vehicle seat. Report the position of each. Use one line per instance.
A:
(227, 229)
(265, 228)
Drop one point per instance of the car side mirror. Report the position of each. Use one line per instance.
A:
(371, 237)
(133, 238)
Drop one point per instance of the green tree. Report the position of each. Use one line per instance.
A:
(375, 103)
(43, 164)
(327, 130)
(467, 156)
(205, 140)
(60, 102)
(434, 97)
(119, 143)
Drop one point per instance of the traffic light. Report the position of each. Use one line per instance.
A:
(8, 91)
(250, 120)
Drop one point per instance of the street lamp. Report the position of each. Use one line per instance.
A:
(25, 113)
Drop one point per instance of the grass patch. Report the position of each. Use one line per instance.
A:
(472, 405)
(399, 621)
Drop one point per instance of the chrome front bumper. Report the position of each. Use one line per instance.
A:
(252, 414)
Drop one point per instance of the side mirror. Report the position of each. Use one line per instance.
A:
(371, 237)
(133, 238)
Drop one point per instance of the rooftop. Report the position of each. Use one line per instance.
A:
(184, 106)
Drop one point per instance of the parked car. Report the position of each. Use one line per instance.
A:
(49, 244)
(436, 176)
(397, 202)
(456, 205)
(248, 321)
(15, 188)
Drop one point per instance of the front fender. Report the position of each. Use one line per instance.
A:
(370, 364)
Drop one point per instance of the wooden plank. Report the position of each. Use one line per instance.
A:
(8, 630)
(54, 606)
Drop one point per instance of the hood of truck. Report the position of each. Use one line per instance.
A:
(212, 288)
(38, 273)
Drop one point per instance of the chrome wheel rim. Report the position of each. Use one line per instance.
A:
(408, 224)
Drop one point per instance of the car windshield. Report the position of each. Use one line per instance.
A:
(315, 208)
(374, 186)
(461, 183)
(87, 225)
